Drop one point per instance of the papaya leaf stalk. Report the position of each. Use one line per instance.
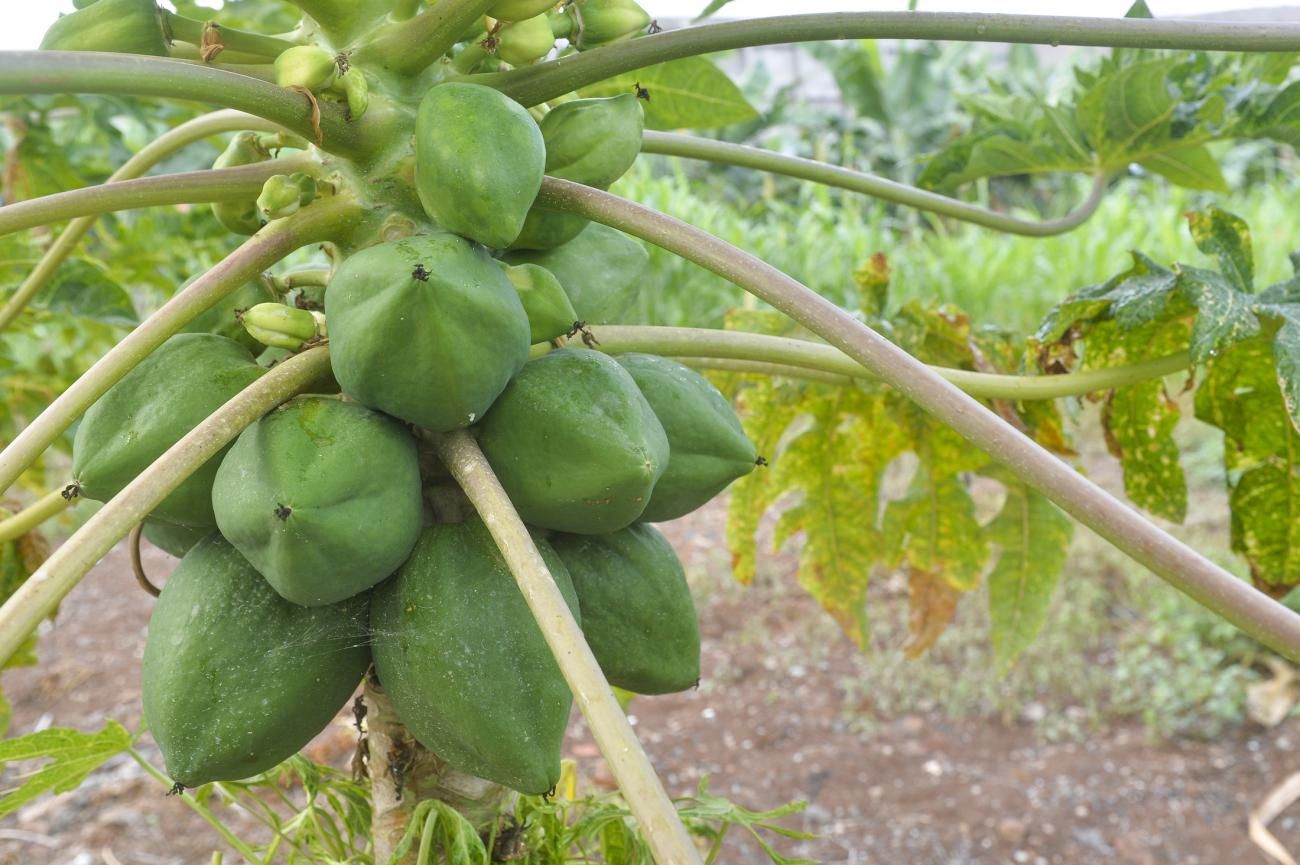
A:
(1253, 612)
(535, 84)
(407, 46)
(320, 221)
(694, 147)
(188, 187)
(46, 507)
(641, 787)
(258, 45)
(150, 155)
(41, 593)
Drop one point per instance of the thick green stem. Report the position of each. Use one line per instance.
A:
(799, 354)
(758, 367)
(148, 156)
(47, 506)
(345, 21)
(408, 46)
(28, 72)
(1187, 570)
(41, 593)
(240, 41)
(645, 795)
(189, 187)
(693, 147)
(534, 84)
(321, 221)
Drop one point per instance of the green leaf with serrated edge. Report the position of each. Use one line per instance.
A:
(690, 93)
(1224, 315)
(1190, 167)
(1032, 537)
(1240, 395)
(73, 755)
(1136, 296)
(933, 529)
(1126, 113)
(1226, 237)
(837, 462)
(82, 290)
(1139, 422)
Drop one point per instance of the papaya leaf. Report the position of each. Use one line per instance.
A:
(1190, 167)
(933, 530)
(1032, 536)
(931, 604)
(690, 93)
(1139, 421)
(1286, 356)
(1226, 237)
(83, 290)
(1224, 315)
(836, 462)
(1133, 298)
(1240, 394)
(72, 756)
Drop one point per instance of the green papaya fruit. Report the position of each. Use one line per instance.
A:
(173, 539)
(606, 21)
(428, 329)
(550, 314)
(186, 379)
(221, 318)
(524, 41)
(575, 444)
(235, 678)
(121, 26)
(479, 160)
(307, 66)
(637, 612)
(322, 497)
(240, 217)
(464, 662)
(520, 10)
(589, 141)
(600, 270)
(707, 446)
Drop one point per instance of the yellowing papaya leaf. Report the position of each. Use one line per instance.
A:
(836, 463)
(72, 756)
(1225, 236)
(1032, 537)
(931, 604)
(1139, 423)
(933, 529)
(690, 93)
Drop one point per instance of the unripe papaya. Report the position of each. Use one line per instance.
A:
(240, 217)
(307, 66)
(707, 446)
(637, 612)
(600, 270)
(606, 21)
(322, 497)
(520, 10)
(121, 26)
(173, 539)
(575, 444)
(589, 141)
(466, 666)
(237, 679)
(427, 329)
(276, 325)
(186, 379)
(550, 314)
(524, 41)
(221, 317)
(479, 160)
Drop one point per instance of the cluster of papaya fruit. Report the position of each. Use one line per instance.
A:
(309, 551)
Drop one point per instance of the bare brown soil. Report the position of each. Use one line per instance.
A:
(914, 789)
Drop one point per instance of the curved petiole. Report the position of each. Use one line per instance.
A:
(694, 147)
(640, 786)
(148, 156)
(210, 185)
(41, 593)
(1252, 611)
(800, 357)
(322, 220)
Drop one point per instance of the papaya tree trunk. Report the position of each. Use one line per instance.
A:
(403, 773)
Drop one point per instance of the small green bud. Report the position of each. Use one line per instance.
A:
(283, 194)
(525, 41)
(278, 326)
(307, 66)
(520, 10)
(357, 91)
(606, 21)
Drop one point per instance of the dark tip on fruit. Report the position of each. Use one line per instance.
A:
(420, 273)
(176, 789)
(282, 512)
(641, 92)
(549, 794)
(760, 460)
(72, 490)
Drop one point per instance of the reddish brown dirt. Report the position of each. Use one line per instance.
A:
(915, 790)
